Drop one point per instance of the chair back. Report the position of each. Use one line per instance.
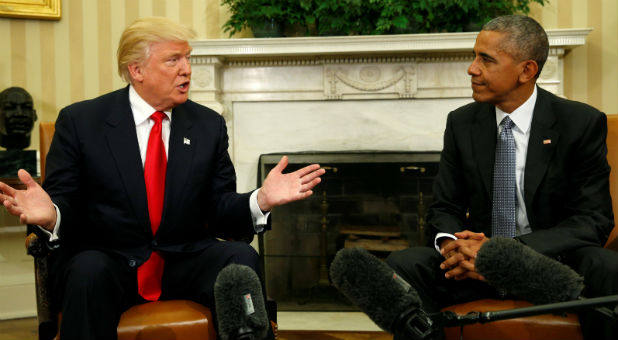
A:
(612, 158)
(46, 133)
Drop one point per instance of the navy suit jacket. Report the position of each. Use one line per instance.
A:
(566, 179)
(95, 176)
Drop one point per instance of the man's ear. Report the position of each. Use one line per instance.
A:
(529, 70)
(135, 70)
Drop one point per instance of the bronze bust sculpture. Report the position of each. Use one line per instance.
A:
(17, 117)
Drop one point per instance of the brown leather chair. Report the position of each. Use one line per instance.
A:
(541, 326)
(174, 319)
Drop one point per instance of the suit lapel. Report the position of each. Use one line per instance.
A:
(122, 140)
(180, 158)
(484, 142)
(541, 146)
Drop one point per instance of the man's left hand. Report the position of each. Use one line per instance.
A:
(280, 188)
(462, 256)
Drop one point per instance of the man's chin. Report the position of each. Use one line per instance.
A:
(479, 97)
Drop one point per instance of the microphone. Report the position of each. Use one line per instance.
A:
(381, 294)
(520, 270)
(239, 304)
(552, 286)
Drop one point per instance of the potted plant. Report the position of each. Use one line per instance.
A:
(264, 17)
(360, 17)
(429, 16)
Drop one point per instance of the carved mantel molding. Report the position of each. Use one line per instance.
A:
(349, 67)
(382, 44)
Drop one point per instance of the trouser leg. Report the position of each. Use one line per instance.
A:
(96, 289)
(193, 276)
(420, 266)
(599, 267)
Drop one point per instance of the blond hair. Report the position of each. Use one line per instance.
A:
(135, 41)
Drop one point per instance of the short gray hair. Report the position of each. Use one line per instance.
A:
(525, 38)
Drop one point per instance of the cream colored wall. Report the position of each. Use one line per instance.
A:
(591, 71)
(61, 62)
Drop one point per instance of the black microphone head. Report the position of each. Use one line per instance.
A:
(239, 303)
(520, 270)
(372, 286)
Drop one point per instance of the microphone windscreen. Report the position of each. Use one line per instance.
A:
(520, 270)
(373, 286)
(239, 302)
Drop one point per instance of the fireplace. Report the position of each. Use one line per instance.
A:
(370, 199)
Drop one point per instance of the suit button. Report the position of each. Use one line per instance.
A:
(155, 243)
(132, 263)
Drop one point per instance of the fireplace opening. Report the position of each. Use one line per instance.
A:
(370, 199)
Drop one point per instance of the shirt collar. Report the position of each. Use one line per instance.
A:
(522, 116)
(141, 109)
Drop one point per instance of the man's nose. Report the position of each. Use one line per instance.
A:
(185, 67)
(473, 69)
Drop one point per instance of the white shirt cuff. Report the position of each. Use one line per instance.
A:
(439, 236)
(53, 235)
(259, 218)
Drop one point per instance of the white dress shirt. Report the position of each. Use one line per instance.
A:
(143, 124)
(522, 117)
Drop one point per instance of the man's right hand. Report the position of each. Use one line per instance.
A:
(32, 205)
(460, 255)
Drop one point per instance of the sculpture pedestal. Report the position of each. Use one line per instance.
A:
(13, 160)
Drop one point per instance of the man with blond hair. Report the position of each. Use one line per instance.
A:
(139, 185)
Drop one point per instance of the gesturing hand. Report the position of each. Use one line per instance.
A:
(32, 205)
(280, 188)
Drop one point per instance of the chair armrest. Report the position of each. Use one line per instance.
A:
(35, 247)
(48, 321)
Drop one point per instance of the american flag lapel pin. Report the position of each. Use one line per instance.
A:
(547, 141)
(186, 141)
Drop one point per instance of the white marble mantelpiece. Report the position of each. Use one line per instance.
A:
(388, 44)
(387, 92)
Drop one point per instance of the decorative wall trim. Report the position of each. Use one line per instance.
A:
(376, 44)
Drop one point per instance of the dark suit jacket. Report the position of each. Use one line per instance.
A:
(95, 176)
(566, 181)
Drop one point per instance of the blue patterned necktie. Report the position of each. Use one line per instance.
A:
(504, 205)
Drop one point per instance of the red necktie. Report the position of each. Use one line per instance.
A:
(150, 273)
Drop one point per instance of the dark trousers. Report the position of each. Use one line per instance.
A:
(97, 287)
(420, 267)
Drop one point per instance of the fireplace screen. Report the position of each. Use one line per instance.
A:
(375, 200)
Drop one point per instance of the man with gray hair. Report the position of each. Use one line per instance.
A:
(520, 163)
(139, 187)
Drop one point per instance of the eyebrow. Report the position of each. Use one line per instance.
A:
(486, 56)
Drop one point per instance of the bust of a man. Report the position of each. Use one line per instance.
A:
(17, 117)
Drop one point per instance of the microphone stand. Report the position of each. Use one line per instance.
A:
(449, 319)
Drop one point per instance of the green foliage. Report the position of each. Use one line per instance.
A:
(352, 17)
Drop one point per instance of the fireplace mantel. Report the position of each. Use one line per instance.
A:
(372, 44)
(387, 92)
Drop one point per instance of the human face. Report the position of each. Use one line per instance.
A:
(163, 79)
(17, 114)
(495, 73)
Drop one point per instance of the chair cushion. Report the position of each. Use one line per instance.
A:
(531, 327)
(174, 319)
